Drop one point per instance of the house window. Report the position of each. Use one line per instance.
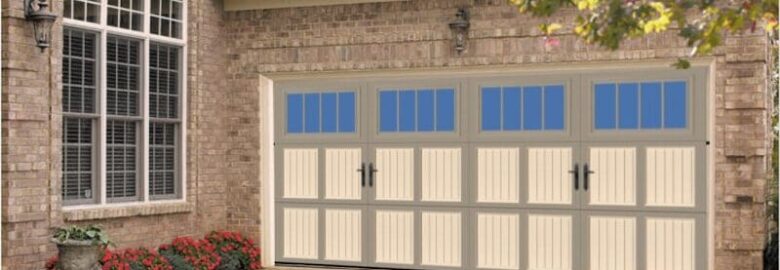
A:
(641, 105)
(422, 110)
(122, 102)
(516, 108)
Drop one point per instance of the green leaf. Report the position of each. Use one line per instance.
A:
(681, 64)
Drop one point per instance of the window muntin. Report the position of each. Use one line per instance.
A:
(418, 110)
(641, 105)
(127, 14)
(133, 94)
(321, 112)
(522, 108)
(82, 10)
(166, 18)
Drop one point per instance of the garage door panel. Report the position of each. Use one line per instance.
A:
(343, 234)
(550, 241)
(394, 236)
(671, 176)
(300, 173)
(342, 178)
(441, 238)
(441, 174)
(498, 174)
(671, 243)
(498, 240)
(300, 232)
(612, 242)
(613, 177)
(548, 174)
(395, 174)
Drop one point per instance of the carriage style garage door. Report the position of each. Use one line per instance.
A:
(601, 170)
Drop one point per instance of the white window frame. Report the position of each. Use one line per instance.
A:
(103, 30)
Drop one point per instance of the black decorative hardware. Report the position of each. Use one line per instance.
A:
(371, 172)
(362, 171)
(576, 176)
(586, 170)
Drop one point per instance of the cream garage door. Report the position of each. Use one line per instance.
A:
(588, 170)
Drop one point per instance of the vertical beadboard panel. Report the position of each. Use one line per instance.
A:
(614, 179)
(395, 237)
(498, 241)
(549, 180)
(300, 173)
(497, 175)
(550, 241)
(395, 176)
(300, 233)
(441, 174)
(342, 178)
(671, 244)
(441, 239)
(612, 243)
(671, 174)
(343, 234)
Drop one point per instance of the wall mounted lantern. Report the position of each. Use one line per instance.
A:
(460, 29)
(39, 12)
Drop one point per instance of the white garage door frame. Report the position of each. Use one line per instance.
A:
(267, 90)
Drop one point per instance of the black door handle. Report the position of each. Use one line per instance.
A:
(371, 172)
(362, 171)
(586, 170)
(576, 174)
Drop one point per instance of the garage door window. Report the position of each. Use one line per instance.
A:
(321, 112)
(424, 110)
(515, 108)
(641, 105)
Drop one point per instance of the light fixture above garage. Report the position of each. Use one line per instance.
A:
(39, 12)
(460, 29)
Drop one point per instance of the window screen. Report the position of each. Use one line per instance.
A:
(162, 159)
(321, 112)
(127, 14)
(163, 81)
(121, 159)
(166, 18)
(77, 159)
(82, 10)
(516, 108)
(423, 110)
(123, 70)
(641, 105)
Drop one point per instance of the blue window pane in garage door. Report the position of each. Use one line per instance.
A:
(651, 105)
(312, 103)
(406, 114)
(388, 111)
(675, 101)
(491, 108)
(605, 106)
(553, 107)
(628, 106)
(294, 113)
(329, 112)
(347, 112)
(425, 106)
(532, 108)
(445, 110)
(512, 108)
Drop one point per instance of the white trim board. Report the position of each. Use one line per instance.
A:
(238, 5)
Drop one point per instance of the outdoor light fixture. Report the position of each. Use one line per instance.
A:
(460, 28)
(39, 12)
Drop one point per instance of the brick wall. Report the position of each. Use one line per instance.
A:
(414, 34)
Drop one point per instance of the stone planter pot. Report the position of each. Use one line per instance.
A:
(78, 255)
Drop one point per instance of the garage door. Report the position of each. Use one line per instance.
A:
(582, 170)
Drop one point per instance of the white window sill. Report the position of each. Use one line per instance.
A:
(108, 211)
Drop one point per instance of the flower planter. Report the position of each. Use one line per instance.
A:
(78, 255)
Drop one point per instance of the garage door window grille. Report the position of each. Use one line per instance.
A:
(423, 110)
(523, 108)
(641, 105)
(325, 112)
(122, 101)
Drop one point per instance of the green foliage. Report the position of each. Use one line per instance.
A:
(88, 233)
(177, 261)
(701, 23)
